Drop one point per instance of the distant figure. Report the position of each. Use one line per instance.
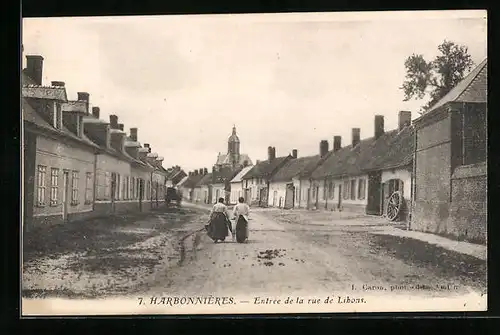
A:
(241, 214)
(219, 222)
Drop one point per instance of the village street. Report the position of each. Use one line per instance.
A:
(289, 252)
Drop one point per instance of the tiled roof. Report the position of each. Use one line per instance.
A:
(44, 92)
(205, 180)
(192, 181)
(224, 175)
(31, 116)
(393, 149)
(265, 168)
(91, 119)
(473, 88)
(132, 144)
(239, 177)
(182, 181)
(75, 106)
(294, 167)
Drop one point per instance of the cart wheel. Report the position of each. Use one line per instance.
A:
(394, 206)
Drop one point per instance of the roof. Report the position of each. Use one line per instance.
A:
(31, 116)
(265, 168)
(75, 106)
(239, 177)
(91, 119)
(473, 88)
(393, 149)
(205, 180)
(224, 175)
(192, 181)
(182, 181)
(294, 167)
(225, 159)
(44, 92)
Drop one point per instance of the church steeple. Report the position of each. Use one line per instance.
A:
(233, 146)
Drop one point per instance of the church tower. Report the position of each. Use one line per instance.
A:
(233, 147)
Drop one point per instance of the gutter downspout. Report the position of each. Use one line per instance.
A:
(94, 197)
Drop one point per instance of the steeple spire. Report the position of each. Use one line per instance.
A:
(234, 129)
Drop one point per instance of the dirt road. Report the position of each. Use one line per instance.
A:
(286, 255)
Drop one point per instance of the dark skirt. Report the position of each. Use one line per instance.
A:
(241, 229)
(218, 227)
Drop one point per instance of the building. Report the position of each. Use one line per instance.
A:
(450, 162)
(256, 181)
(203, 188)
(221, 183)
(233, 158)
(188, 186)
(363, 175)
(175, 175)
(236, 185)
(284, 192)
(58, 157)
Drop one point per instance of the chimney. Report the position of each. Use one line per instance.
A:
(120, 126)
(257, 161)
(146, 145)
(404, 119)
(57, 83)
(133, 134)
(356, 133)
(200, 171)
(274, 152)
(96, 112)
(205, 171)
(379, 126)
(196, 172)
(113, 121)
(337, 143)
(84, 96)
(294, 153)
(270, 153)
(34, 68)
(323, 148)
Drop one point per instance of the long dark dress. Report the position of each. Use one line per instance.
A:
(241, 229)
(218, 227)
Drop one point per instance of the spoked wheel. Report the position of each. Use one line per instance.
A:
(394, 206)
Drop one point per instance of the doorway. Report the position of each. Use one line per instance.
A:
(141, 193)
(340, 197)
(65, 195)
(113, 191)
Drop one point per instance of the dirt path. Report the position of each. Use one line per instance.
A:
(306, 259)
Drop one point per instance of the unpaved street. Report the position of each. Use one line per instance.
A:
(288, 253)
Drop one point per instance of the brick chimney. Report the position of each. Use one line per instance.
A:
(270, 153)
(404, 119)
(379, 126)
(121, 126)
(96, 111)
(34, 68)
(84, 96)
(113, 121)
(356, 135)
(294, 153)
(323, 148)
(57, 83)
(337, 143)
(196, 172)
(133, 134)
(205, 171)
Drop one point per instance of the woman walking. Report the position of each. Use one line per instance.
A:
(219, 222)
(241, 212)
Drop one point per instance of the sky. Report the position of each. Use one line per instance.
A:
(284, 80)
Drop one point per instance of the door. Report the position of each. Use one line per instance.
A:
(113, 190)
(317, 197)
(340, 196)
(374, 194)
(275, 195)
(289, 196)
(65, 195)
(141, 193)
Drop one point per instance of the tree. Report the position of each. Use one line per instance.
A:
(438, 76)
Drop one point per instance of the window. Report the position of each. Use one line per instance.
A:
(41, 174)
(325, 189)
(127, 187)
(353, 189)
(361, 188)
(118, 187)
(474, 135)
(346, 189)
(74, 187)
(107, 185)
(297, 194)
(88, 188)
(137, 182)
(123, 188)
(314, 192)
(54, 186)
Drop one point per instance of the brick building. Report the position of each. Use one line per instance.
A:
(450, 162)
